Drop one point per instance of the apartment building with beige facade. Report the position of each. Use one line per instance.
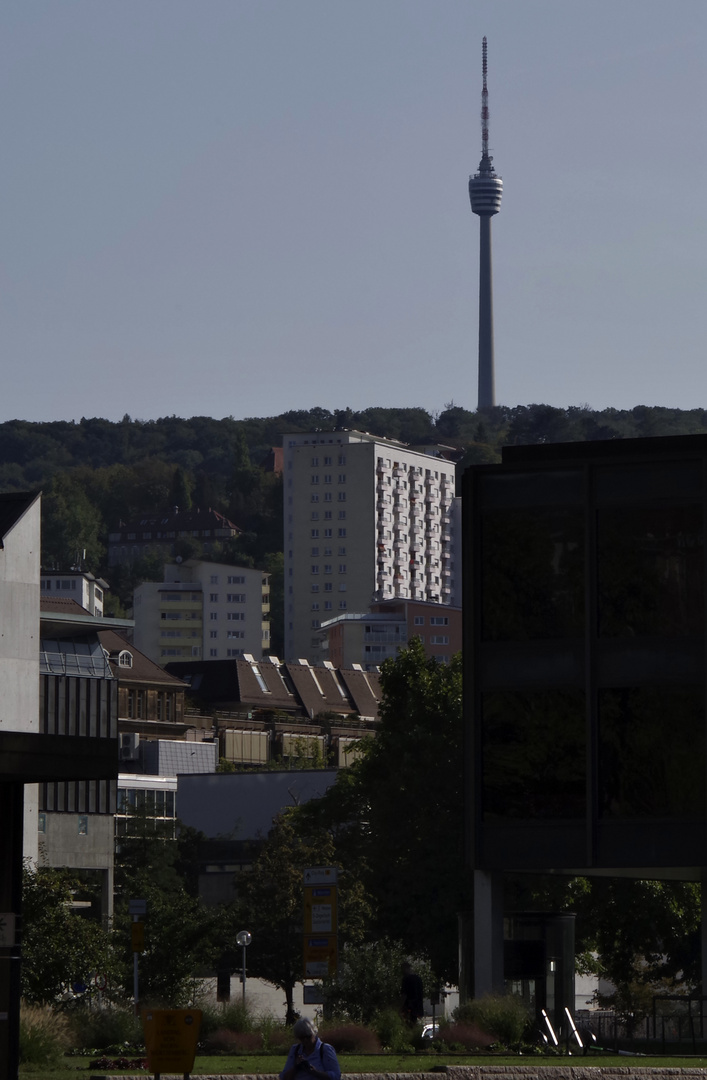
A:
(203, 610)
(365, 519)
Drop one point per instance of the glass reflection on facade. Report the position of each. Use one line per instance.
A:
(651, 752)
(533, 573)
(533, 747)
(650, 563)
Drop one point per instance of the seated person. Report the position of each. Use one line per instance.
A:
(309, 1056)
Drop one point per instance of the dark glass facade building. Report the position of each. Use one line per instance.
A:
(585, 659)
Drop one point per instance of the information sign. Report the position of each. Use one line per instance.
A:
(320, 954)
(320, 909)
(321, 875)
(171, 1037)
(137, 936)
(137, 907)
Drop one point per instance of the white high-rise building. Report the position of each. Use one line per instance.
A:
(365, 519)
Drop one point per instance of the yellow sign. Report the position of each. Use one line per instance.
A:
(171, 1036)
(320, 955)
(137, 936)
(320, 909)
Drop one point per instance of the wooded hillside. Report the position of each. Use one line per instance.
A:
(96, 472)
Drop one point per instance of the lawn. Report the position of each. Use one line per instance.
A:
(242, 1064)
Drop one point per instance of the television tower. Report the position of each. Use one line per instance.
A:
(485, 190)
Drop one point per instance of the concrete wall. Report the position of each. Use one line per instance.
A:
(62, 844)
(19, 644)
(19, 623)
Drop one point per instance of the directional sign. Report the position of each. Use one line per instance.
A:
(171, 1036)
(320, 909)
(137, 936)
(321, 875)
(320, 954)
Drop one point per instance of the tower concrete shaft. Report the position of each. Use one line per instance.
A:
(485, 190)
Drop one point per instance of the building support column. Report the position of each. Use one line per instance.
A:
(11, 831)
(488, 932)
(703, 940)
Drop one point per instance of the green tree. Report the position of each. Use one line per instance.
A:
(396, 814)
(180, 932)
(412, 778)
(271, 898)
(369, 979)
(180, 491)
(71, 527)
(643, 931)
(59, 946)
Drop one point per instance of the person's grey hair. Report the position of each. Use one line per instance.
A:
(304, 1028)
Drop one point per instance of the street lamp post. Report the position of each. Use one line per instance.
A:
(244, 938)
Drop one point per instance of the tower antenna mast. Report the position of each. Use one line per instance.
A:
(484, 107)
(485, 190)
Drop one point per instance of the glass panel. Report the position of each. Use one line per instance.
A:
(558, 487)
(532, 574)
(649, 482)
(533, 755)
(651, 752)
(650, 571)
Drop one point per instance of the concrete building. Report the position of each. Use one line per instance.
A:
(78, 695)
(157, 533)
(485, 190)
(78, 585)
(365, 519)
(70, 747)
(372, 637)
(203, 609)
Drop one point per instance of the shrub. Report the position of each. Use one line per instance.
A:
(111, 1026)
(233, 1042)
(468, 1035)
(351, 1039)
(231, 1017)
(44, 1035)
(503, 1015)
(394, 1033)
(369, 979)
(277, 1039)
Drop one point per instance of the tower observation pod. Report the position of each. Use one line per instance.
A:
(485, 190)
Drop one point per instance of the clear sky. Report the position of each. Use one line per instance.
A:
(238, 207)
